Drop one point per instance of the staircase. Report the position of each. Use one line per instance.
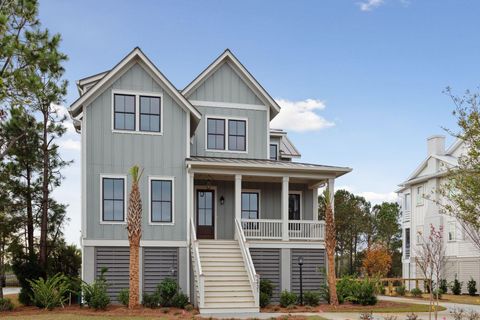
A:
(227, 286)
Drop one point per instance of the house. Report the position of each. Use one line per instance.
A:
(224, 205)
(419, 201)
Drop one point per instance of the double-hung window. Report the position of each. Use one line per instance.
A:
(124, 112)
(150, 114)
(113, 199)
(420, 195)
(161, 201)
(237, 135)
(226, 134)
(250, 205)
(216, 134)
(273, 151)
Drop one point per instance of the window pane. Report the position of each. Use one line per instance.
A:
(245, 215)
(156, 190)
(155, 123)
(108, 210)
(220, 126)
(144, 123)
(211, 126)
(118, 189)
(119, 102)
(118, 210)
(129, 122)
(156, 211)
(155, 105)
(119, 121)
(208, 217)
(107, 188)
(245, 201)
(211, 142)
(232, 127)
(240, 128)
(129, 103)
(240, 143)
(144, 105)
(166, 191)
(166, 211)
(220, 142)
(253, 201)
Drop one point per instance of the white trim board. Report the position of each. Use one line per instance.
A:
(230, 105)
(286, 244)
(125, 243)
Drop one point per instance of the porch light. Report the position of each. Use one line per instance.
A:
(222, 200)
(300, 264)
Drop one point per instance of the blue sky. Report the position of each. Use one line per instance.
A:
(374, 70)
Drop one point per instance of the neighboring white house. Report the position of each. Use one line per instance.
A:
(420, 211)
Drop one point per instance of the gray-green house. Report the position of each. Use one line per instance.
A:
(224, 205)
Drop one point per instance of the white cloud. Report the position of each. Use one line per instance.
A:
(373, 197)
(300, 116)
(369, 5)
(69, 144)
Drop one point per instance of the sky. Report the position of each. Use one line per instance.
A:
(360, 82)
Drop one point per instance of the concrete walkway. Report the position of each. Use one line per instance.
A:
(10, 290)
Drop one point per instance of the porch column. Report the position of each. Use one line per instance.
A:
(285, 181)
(331, 192)
(238, 196)
(315, 204)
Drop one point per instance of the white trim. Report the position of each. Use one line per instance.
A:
(293, 244)
(279, 174)
(278, 150)
(83, 192)
(268, 133)
(215, 213)
(125, 195)
(230, 105)
(137, 95)
(160, 178)
(301, 202)
(125, 243)
(226, 119)
(187, 138)
(259, 192)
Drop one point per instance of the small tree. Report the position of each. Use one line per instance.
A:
(330, 244)
(377, 260)
(134, 227)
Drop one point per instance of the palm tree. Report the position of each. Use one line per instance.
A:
(330, 243)
(134, 227)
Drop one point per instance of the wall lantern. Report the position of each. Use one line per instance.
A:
(222, 200)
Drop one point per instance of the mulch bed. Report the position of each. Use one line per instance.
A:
(345, 307)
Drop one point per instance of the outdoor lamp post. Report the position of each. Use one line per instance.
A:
(300, 264)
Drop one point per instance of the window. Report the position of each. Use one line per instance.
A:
(150, 114)
(250, 205)
(124, 112)
(237, 133)
(273, 152)
(419, 235)
(294, 206)
(113, 199)
(407, 242)
(451, 231)
(161, 199)
(408, 202)
(216, 134)
(420, 196)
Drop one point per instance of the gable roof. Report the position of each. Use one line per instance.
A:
(237, 66)
(135, 55)
(287, 148)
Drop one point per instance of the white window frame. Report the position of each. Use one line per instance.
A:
(419, 198)
(226, 119)
(259, 192)
(409, 207)
(278, 151)
(114, 176)
(301, 202)
(137, 95)
(452, 228)
(150, 179)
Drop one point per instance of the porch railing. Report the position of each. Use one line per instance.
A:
(197, 267)
(271, 229)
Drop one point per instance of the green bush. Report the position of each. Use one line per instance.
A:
(166, 291)
(443, 287)
(311, 298)
(95, 294)
(151, 300)
(401, 290)
(50, 293)
(25, 269)
(416, 292)
(288, 299)
(357, 291)
(266, 292)
(472, 287)
(437, 292)
(457, 287)
(180, 300)
(124, 296)
(6, 305)
(346, 287)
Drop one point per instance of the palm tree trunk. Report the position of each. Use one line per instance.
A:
(133, 300)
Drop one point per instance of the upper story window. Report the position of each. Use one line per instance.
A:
(224, 134)
(161, 201)
(113, 199)
(408, 202)
(273, 151)
(452, 231)
(137, 113)
(150, 114)
(407, 242)
(124, 112)
(419, 195)
(250, 205)
(216, 134)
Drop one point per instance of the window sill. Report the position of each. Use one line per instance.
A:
(113, 222)
(161, 223)
(138, 132)
(226, 151)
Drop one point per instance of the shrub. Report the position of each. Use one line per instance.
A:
(442, 286)
(412, 316)
(266, 292)
(6, 305)
(473, 315)
(401, 290)
(151, 300)
(311, 298)
(416, 292)
(166, 290)
(457, 287)
(288, 298)
(124, 296)
(437, 293)
(366, 316)
(346, 287)
(25, 269)
(95, 294)
(472, 287)
(50, 293)
(180, 300)
(189, 307)
(365, 293)
(457, 313)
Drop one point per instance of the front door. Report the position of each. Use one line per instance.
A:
(205, 214)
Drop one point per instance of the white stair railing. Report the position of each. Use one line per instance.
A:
(253, 277)
(198, 273)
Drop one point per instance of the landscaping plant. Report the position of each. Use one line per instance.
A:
(457, 313)
(95, 294)
(311, 298)
(166, 291)
(50, 293)
(443, 287)
(288, 298)
(472, 287)
(473, 315)
(123, 296)
(416, 292)
(6, 304)
(180, 300)
(266, 292)
(401, 290)
(151, 300)
(457, 287)
(412, 316)
(366, 316)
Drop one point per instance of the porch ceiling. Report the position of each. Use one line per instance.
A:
(255, 178)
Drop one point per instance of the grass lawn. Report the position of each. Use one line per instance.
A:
(465, 299)
(65, 316)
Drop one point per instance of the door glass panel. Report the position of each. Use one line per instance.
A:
(205, 208)
(294, 207)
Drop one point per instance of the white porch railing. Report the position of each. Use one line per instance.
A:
(271, 229)
(197, 269)
(247, 258)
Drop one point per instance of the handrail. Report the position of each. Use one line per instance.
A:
(199, 276)
(252, 275)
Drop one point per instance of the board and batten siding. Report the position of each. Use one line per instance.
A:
(115, 153)
(116, 260)
(268, 265)
(224, 85)
(158, 264)
(313, 269)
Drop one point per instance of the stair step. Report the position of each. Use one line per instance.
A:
(226, 264)
(233, 295)
(232, 301)
(232, 278)
(227, 310)
(226, 288)
(225, 273)
(221, 259)
(230, 284)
